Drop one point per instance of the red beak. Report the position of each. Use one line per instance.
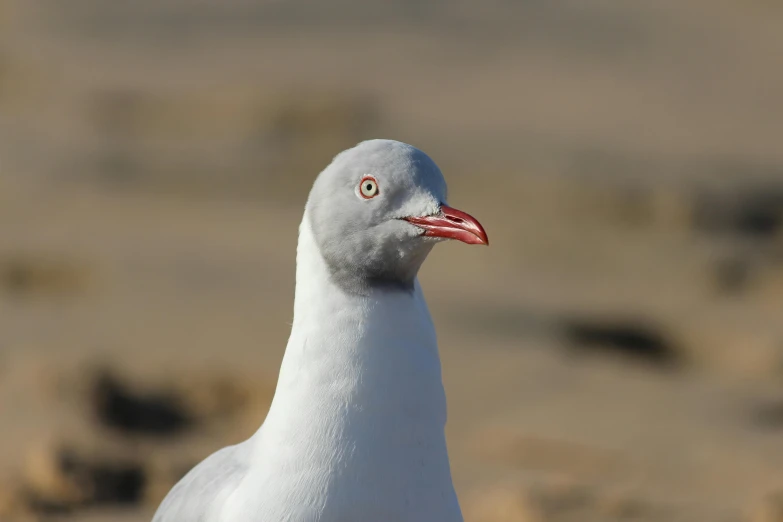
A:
(452, 224)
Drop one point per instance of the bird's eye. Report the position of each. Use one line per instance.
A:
(368, 187)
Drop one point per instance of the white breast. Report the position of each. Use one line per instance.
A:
(356, 429)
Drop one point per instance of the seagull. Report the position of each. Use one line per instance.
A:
(355, 432)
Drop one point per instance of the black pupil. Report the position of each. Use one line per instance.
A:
(368, 187)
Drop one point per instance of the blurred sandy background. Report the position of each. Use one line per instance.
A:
(616, 354)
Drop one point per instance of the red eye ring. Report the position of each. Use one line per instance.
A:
(368, 187)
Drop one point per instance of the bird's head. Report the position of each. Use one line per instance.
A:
(378, 209)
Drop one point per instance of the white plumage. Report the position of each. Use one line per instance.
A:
(355, 432)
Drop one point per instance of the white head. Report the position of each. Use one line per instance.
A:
(376, 212)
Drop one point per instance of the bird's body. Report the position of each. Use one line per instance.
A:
(355, 432)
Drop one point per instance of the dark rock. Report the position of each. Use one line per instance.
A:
(67, 480)
(751, 212)
(635, 340)
(121, 408)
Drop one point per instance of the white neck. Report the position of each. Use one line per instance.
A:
(359, 404)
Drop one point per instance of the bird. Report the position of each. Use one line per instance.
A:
(356, 428)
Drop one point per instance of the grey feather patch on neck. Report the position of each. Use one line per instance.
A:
(360, 266)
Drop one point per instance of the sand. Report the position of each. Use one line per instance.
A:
(616, 354)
